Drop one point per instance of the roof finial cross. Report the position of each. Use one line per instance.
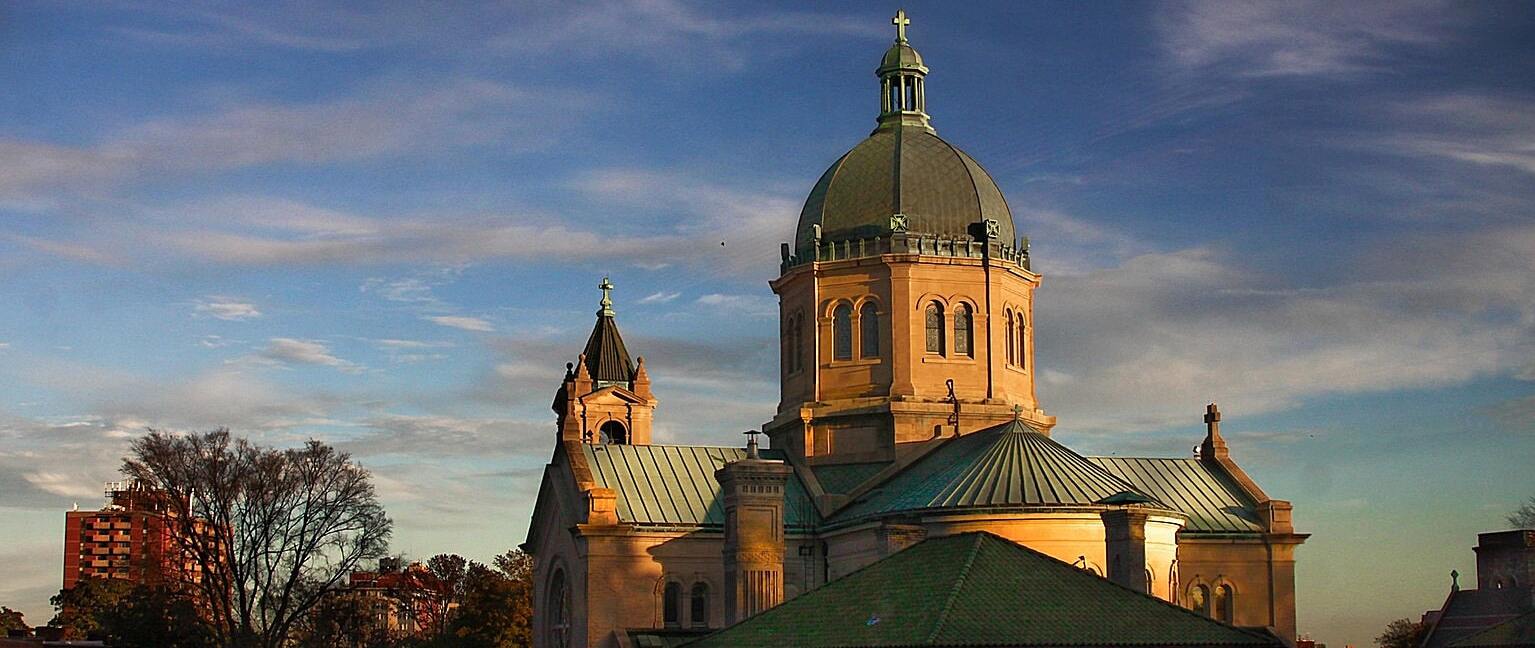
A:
(607, 298)
(1017, 412)
(900, 21)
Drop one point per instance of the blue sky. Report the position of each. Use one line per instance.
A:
(382, 225)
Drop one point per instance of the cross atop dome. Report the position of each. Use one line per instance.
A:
(900, 21)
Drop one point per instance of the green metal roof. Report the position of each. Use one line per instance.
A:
(977, 589)
(606, 358)
(1007, 465)
(1518, 631)
(1210, 499)
(843, 478)
(675, 485)
(905, 170)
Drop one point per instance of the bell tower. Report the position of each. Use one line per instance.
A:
(605, 397)
(906, 299)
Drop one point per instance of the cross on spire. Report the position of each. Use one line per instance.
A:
(607, 298)
(900, 21)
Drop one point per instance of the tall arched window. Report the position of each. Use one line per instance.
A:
(1011, 359)
(799, 341)
(787, 343)
(671, 605)
(1224, 604)
(1199, 599)
(559, 611)
(868, 330)
(842, 332)
(1023, 353)
(614, 432)
(962, 331)
(935, 328)
(699, 616)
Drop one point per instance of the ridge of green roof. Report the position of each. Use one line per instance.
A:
(1010, 464)
(977, 589)
(959, 584)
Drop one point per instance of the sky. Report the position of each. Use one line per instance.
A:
(382, 225)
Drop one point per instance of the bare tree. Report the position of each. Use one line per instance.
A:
(265, 533)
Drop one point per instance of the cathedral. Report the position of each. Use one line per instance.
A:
(908, 412)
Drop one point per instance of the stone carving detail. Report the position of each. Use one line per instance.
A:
(898, 223)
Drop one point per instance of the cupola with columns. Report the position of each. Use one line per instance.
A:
(906, 300)
(605, 397)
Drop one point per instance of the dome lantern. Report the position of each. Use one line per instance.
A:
(903, 97)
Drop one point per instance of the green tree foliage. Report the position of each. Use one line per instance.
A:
(82, 608)
(12, 620)
(1524, 516)
(130, 616)
(347, 620)
(1401, 633)
(272, 531)
(495, 608)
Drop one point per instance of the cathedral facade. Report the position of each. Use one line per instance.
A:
(908, 411)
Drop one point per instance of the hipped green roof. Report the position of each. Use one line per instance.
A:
(1007, 465)
(976, 589)
(1199, 489)
(669, 485)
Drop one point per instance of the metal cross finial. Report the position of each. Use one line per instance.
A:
(900, 21)
(1017, 412)
(607, 298)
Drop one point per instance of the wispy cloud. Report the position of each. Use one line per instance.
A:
(226, 308)
(387, 120)
(660, 297)
(1489, 131)
(462, 322)
(1312, 38)
(306, 352)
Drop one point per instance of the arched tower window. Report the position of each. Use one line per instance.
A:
(1224, 604)
(614, 432)
(868, 330)
(1023, 352)
(1199, 599)
(963, 329)
(559, 611)
(1011, 359)
(842, 332)
(700, 605)
(935, 328)
(671, 605)
(799, 342)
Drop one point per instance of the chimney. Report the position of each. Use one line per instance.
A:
(753, 492)
(1124, 533)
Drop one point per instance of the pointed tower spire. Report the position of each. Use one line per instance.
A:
(605, 358)
(903, 92)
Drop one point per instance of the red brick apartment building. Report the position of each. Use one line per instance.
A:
(129, 538)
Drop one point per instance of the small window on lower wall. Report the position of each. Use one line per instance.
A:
(700, 607)
(1199, 599)
(1225, 605)
(671, 605)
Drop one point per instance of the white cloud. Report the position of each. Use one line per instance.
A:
(660, 297)
(227, 308)
(390, 119)
(751, 305)
(1313, 38)
(310, 352)
(462, 322)
(5, 345)
(1483, 130)
(1147, 342)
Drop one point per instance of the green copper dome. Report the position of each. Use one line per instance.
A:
(903, 168)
